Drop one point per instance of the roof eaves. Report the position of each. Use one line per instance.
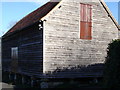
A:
(8, 34)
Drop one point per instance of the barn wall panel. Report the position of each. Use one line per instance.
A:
(30, 51)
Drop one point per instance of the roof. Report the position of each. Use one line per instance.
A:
(110, 14)
(39, 13)
(33, 17)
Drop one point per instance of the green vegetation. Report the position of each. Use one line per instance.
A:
(112, 65)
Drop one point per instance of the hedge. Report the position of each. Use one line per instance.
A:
(112, 65)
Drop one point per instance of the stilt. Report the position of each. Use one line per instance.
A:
(44, 83)
(10, 76)
(32, 81)
(28, 80)
(23, 80)
(95, 80)
(15, 77)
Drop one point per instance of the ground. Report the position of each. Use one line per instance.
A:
(5, 85)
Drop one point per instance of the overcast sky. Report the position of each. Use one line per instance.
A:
(11, 12)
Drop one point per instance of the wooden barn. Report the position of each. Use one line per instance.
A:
(64, 39)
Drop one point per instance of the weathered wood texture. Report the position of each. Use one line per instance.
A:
(7, 44)
(30, 51)
(63, 46)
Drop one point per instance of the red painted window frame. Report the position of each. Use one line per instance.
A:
(85, 21)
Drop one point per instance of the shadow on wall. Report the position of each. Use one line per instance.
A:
(93, 70)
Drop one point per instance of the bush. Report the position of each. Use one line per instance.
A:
(112, 65)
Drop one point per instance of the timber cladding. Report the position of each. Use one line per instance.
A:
(30, 48)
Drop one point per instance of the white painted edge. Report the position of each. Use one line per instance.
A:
(44, 47)
(102, 1)
(56, 7)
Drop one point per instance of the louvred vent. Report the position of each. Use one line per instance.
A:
(85, 21)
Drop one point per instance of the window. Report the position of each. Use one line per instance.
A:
(85, 21)
(14, 57)
(14, 53)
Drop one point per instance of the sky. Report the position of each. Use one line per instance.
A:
(12, 12)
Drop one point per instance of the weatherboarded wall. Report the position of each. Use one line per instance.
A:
(62, 44)
(31, 51)
(29, 42)
(7, 44)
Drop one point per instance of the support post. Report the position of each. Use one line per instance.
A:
(44, 83)
(95, 80)
(23, 80)
(10, 76)
(32, 81)
(15, 77)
